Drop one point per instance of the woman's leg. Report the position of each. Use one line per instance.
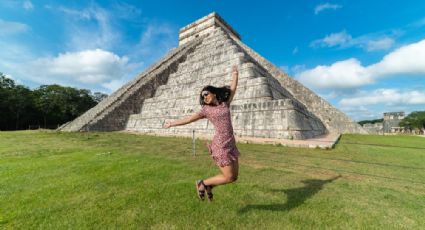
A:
(228, 174)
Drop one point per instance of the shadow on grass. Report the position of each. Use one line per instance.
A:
(296, 196)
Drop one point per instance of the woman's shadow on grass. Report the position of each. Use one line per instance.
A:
(296, 196)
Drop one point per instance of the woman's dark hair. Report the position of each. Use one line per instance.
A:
(222, 94)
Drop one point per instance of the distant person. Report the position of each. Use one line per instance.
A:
(215, 104)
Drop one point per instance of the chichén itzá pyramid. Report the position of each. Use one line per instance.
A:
(268, 103)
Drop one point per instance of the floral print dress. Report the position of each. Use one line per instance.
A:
(223, 146)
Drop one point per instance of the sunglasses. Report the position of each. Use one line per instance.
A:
(205, 93)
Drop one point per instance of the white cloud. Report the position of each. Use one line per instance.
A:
(343, 74)
(97, 69)
(409, 59)
(379, 44)
(297, 69)
(155, 41)
(388, 97)
(89, 67)
(12, 28)
(79, 14)
(126, 11)
(325, 6)
(87, 60)
(89, 28)
(361, 112)
(153, 31)
(17, 81)
(334, 39)
(368, 42)
(113, 85)
(27, 5)
(295, 50)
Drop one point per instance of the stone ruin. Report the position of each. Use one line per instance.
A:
(268, 103)
(374, 128)
(390, 125)
(391, 122)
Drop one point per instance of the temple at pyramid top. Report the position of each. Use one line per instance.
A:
(268, 103)
(205, 26)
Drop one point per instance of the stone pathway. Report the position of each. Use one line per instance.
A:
(326, 141)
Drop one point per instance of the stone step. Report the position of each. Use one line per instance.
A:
(210, 69)
(246, 69)
(195, 76)
(215, 37)
(197, 84)
(219, 44)
(246, 84)
(247, 88)
(216, 54)
(213, 60)
(266, 117)
(191, 100)
(195, 64)
(187, 109)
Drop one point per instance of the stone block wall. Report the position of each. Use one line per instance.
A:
(112, 113)
(261, 106)
(332, 118)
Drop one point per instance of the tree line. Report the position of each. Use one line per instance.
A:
(47, 106)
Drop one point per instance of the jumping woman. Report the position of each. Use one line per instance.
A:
(215, 104)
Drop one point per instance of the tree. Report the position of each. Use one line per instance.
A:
(415, 120)
(21, 105)
(370, 121)
(6, 86)
(59, 104)
(6, 82)
(16, 104)
(48, 105)
(98, 96)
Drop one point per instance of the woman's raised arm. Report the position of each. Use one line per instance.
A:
(233, 86)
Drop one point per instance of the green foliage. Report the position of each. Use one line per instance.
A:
(16, 105)
(414, 120)
(6, 83)
(47, 106)
(370, 121)
(60, 104)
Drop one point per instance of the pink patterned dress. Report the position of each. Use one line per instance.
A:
(223, 146)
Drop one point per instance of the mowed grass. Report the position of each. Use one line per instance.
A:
(51, 180)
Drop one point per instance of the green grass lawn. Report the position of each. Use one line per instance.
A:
(52, 180)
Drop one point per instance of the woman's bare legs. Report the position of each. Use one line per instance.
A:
(228, 174)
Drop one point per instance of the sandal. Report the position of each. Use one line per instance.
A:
(210, 195)
(200, 192)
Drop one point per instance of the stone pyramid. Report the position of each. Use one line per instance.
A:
(268, 103)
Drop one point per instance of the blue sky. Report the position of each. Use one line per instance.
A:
(364, 57)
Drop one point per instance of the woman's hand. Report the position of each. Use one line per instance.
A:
(167, 125)
(235, 69)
